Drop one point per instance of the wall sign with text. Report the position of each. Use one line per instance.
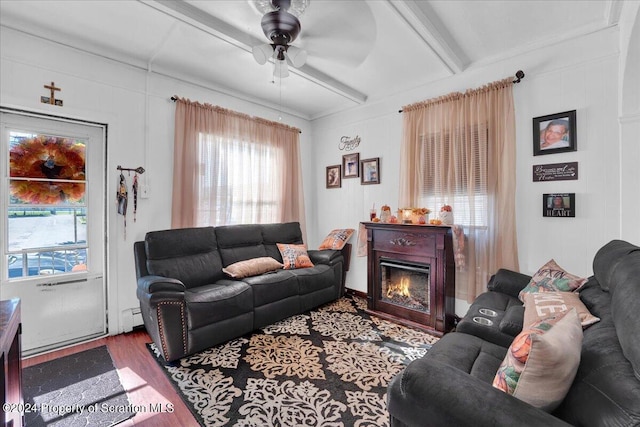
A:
(555, 172)
(559, 205)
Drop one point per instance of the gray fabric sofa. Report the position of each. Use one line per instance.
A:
(451, 384)
(189, 304)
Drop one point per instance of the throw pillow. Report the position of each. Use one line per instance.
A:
(542, 361)
(252, 267)
(544, 304)
(551, 277)
(294, 256)
(336, 239)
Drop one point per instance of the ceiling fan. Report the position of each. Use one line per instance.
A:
(281, 26)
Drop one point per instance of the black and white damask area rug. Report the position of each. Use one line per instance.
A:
(327, 367)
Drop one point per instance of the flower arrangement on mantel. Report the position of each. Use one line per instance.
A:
(414, 215)
(418, 216)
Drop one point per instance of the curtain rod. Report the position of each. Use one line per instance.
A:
(519, 77)
(175, 98)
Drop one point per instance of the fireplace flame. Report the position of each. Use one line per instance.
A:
(401, 288)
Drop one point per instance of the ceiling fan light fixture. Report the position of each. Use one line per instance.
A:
(280, 69)
(281, 26)
(298, 7)
(262, 53)
(262, 6)
(294, 7)
(296, 56)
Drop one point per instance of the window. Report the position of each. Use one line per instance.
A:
(459, 149)
(455, 173)
(240, 181)
(46, 206)
(231, 168)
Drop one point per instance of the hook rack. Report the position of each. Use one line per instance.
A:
(139, 170)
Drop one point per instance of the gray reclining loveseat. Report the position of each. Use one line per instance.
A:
(189, 303)
(452, 384)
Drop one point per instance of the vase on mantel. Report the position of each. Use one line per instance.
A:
(446, 217)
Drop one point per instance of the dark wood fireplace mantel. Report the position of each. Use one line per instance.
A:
(421, 244)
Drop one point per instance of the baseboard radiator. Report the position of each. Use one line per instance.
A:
(131, 318)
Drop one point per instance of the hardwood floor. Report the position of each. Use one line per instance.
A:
(141, 377)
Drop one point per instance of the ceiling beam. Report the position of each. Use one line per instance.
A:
(424, 21)
(197, 18)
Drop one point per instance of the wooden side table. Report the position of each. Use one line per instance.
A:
(10, 354)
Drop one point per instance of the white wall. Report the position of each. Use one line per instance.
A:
(580, 74)
(136, 106)
(629, 118)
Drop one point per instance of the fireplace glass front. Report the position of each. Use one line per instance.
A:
(405, 284)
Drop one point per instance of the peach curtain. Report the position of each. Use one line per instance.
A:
(459, 149)
(233, 168)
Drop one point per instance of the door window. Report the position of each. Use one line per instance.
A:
(46, 217)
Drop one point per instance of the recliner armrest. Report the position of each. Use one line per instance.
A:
(325, 256)
(164, 312)
(432, 393)
(151, 284)
(508, 282)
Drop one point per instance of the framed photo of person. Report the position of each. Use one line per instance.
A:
(555, 133)
(559, 205)
(351, 165)
(370, 171)
(334, 174)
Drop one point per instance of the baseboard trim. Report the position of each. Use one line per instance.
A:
(356, 293)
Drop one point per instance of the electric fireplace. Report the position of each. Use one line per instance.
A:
(411, 275)
(405, 284)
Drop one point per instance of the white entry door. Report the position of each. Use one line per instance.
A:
(53, 232)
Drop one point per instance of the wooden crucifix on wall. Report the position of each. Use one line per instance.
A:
(51, 99)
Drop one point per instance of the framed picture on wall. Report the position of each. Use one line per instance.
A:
(559, 204)
(370, 171)
(351, 165)
(334, 179)
(555, 133)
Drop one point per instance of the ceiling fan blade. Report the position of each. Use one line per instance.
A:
(347, 37)
(351, 53)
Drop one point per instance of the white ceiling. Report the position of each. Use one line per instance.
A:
(358, 50)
